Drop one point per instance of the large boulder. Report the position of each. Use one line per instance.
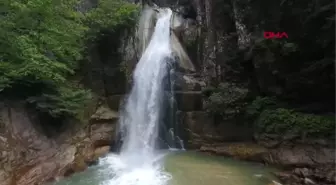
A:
(320, 175)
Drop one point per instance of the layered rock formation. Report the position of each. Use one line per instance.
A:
(33, 152)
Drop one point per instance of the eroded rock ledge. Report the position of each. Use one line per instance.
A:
(300, 163)
(28, 156)
(303, 164)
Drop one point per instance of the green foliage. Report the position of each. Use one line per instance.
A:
(298, 70)
(305, 61)
(228, 100)
(269, 49)
(258, 105)
(66, 102)
(41, 43)
(111, 15)
(284, 121)
(39, 40)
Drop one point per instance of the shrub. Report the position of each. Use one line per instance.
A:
(284, 121)
(66, 101)
(255, 108)
(228, 100)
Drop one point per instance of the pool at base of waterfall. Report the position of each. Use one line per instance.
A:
(184, 168)
(191, 168)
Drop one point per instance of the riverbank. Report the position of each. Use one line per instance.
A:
(299, 164)
(304, 155)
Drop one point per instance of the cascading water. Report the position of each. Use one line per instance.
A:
(142, 111)
(139, 162)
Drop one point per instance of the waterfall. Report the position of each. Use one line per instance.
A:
(179, 60)
(139, 162)
(145, 30)
(142, 111)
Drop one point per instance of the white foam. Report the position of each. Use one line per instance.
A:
(139, 163)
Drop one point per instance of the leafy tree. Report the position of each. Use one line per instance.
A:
(41, 43)
(110, 16)
(40, 40)
(226, 102)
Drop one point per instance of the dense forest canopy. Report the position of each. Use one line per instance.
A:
(41, 44)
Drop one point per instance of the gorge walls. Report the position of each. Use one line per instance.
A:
(34, 152)
(235, 70)
(251, 98)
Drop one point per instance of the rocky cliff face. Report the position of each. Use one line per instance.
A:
(29, 156)
(35, 148)
(202, 34)
(222, 47)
